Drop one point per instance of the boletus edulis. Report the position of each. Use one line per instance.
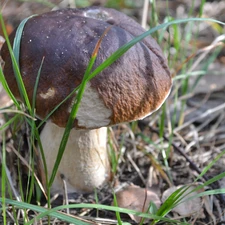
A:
(130, 89)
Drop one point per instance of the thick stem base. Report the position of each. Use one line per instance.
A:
(85, 163)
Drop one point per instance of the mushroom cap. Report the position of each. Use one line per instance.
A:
(130, 89)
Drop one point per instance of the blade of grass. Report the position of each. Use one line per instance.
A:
(191, 74)
(199, 187)
(210, 181)
(6, 124)
(117, 213)
(2, 79)
(185, 198)
(69, 218)
(201, 8)
(17, 40)
(17, 112)
(206, 193)
(206, 66)
(171, 201)
(210, 165)
(15, 54)
(3, 178)
(34, 135)
(36, 86)
(8, 91)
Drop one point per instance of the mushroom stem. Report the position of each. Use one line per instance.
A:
(85, 163)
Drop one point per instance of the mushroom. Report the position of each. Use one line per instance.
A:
(133, 87)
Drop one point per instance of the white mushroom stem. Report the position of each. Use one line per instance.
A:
(85, 163)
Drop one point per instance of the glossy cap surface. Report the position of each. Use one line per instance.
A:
(130, 89)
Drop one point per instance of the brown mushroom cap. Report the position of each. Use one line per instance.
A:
(130, 89)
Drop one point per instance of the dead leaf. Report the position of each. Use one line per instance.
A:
(136, 198)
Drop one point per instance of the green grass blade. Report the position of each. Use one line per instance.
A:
(15, 53)
(190, 74)
(202, 194)
(67, 218)
(6, 88)
(35, 87)
(201, 8)
(171, 201)
(117, 213)
(199, 187)
(8, 122)
(208, 62)
(17, 40)
(207, 193)
(210, 165)
(3, 178)
(210, 181)
(2, 78)
(15, 60)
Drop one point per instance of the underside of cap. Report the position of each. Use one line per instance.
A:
(131, 88)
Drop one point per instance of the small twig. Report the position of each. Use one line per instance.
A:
(10, 180)
(17, 112)
(136, 168)
(205, 51)
(29, 167)
(65, 192)
(205, 114)
(208, 208)
(145, 14)
(16, 194)
(201, 53)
